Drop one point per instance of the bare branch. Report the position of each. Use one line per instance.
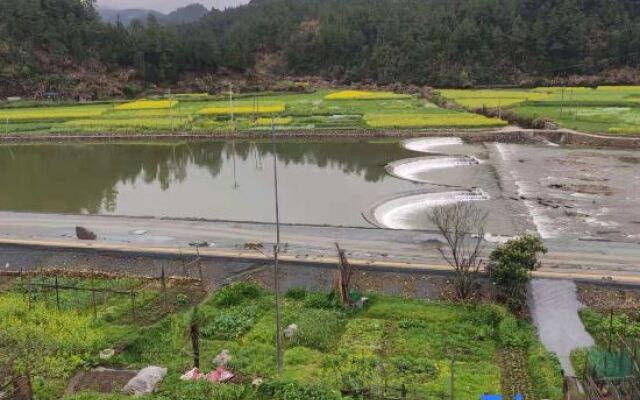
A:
(462, 226)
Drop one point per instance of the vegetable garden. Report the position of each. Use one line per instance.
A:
(393, 348)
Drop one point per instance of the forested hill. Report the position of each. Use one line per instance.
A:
(437, 42)
(189, 13)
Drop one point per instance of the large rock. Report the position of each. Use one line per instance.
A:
(146, 381)
(85, 234)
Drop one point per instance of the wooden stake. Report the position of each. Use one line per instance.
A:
(57, 294)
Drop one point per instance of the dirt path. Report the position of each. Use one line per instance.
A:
(554, 307)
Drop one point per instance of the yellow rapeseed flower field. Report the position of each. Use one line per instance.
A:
(365, 95)
(138, 123)
(275, 121)
(51, 113)
(243, 108)
(431, 121)
(623, 131)
(474, 99)
(146, 105)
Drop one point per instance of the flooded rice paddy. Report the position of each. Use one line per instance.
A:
(568, 192)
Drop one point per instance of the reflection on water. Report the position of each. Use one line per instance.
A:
(321, 182)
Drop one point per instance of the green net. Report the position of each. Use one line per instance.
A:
(610, 365)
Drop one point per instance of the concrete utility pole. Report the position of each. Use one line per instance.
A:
(170, 110)
(276, 248)
(231, 103)
(453, 378)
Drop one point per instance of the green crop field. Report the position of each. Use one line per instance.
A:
(320, 110)
(611, 110)
(394, 342)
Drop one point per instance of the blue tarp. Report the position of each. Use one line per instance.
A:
(491, 397)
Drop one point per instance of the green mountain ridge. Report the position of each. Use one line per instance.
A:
(48, 46)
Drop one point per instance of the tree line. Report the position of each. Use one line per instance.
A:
(437, 42)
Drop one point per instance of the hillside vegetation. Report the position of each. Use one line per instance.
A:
(436, 42)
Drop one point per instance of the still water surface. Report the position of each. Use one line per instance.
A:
(320, 182)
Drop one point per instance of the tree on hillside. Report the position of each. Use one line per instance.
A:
(462, 226)
(510, 267)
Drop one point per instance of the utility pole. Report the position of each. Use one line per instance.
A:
(170, 110)
(235, 174)
(276, 249)
(453, 378)
(231, 103)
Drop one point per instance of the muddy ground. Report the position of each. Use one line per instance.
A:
(607, 298)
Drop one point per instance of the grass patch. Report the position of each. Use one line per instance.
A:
(431, 121)
(613, 110)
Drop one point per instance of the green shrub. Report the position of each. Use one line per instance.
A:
(131, 90)
(579, 360)
(318, 329)
(412, 365)
(546, 373)
(411, 323)
(510, 267)
(488, 314)
(288, 390)
(599, 325)
(231, 324)
(321, 300)
(254, 359)
(201, 390)
(236, 293)
(296, 294)
(514, 333)
(182, 299)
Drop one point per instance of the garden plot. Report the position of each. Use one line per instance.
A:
(319, 110)
(59, 324)
(395, 345)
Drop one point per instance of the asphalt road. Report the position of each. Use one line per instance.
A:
(312, 244)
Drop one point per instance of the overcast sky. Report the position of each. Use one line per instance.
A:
(165, 5)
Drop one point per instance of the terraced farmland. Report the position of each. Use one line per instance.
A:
(319, 110)
(611, 110)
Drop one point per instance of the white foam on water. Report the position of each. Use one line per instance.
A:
(399, 213)
(412, 168)
(427, 145)
(541, 220)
